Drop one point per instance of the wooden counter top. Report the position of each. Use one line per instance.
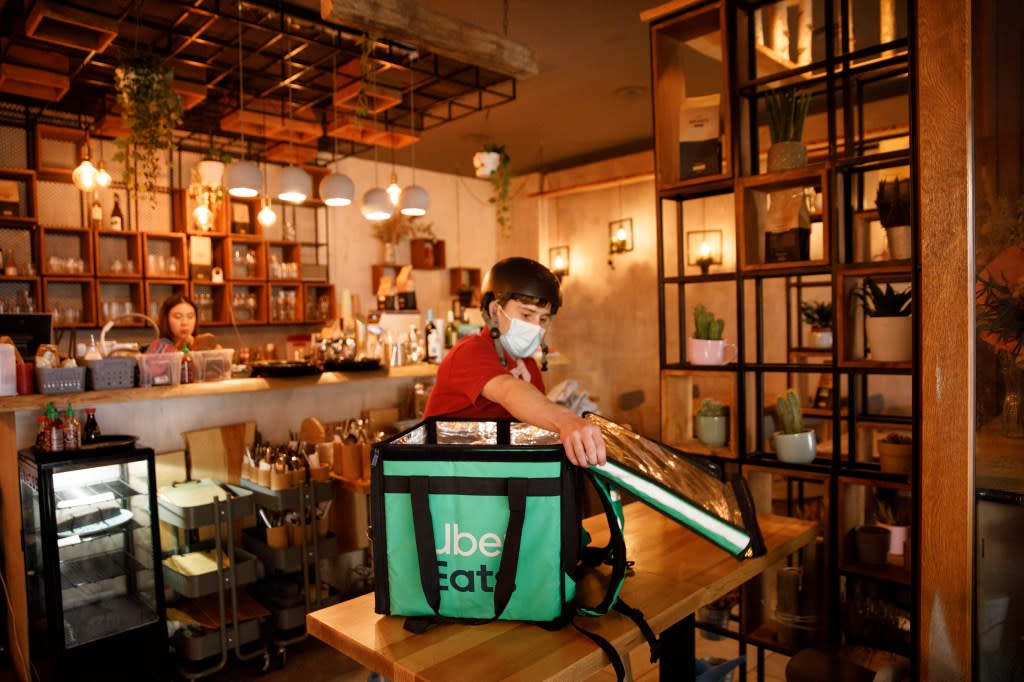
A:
(675, 572)
(120, 395)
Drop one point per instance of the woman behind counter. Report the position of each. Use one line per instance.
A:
(178, 323)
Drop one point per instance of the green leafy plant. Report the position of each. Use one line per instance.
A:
(1000, 310)
(501, 181)
(886, 302)
(214, 153)
(892, 514)
(709, 407)
(817, 314)
(892, 199)
(789, 411)
(706, 325)
(152, 110)
(787, 111)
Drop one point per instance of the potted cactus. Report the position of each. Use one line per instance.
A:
(706, 346)
(818, 315)
(893, 202)
(894, 514)
(712, 423)
(888, 322)
(794, 444)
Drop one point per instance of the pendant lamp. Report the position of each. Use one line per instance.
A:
(414, 200)
(377, 205)
(243, 178)
(337, 189)
(394, 190)
(294, 185)
(103, 178)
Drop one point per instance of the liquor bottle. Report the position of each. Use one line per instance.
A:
(432, 336)
(451, 332)
(72, 435)
(96, 215)
(116, 217)
(186, 366)
(91, 430)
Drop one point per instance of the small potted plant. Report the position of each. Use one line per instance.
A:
(152, 110)
(706, 346)
(787, 111)
(888, 322)
(892, 511)
(712, 423)
(893, 202)
(818, 315)
(895, 453)
(794, 444)
(492, 163)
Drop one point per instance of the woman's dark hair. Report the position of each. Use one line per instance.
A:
(165, 312)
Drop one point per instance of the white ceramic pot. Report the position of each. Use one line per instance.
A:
(712, 431)
(486, 163)
(899, 241)
(820, 337)
(890, 339)
(710, 351)
(211, 173)
(796, 448)
(897, 537)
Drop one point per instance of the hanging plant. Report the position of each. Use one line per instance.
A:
(152, 110)
(493, 163)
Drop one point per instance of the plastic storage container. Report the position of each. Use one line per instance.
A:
(60, 379)
(159, 369)
(212, 365)
(111, 373)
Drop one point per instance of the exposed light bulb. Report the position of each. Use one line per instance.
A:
(266, 216)
(103, 178)
(394, 190)
(84, 177)
(203, 216)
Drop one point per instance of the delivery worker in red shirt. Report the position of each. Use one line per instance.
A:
(493, 374)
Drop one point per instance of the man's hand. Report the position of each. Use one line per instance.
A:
(582, 440)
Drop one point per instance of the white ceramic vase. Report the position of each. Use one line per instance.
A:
(211, 173)
(712, 431)
(821, 337)
(899, 241)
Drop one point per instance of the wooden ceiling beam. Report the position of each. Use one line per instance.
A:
(406, 21)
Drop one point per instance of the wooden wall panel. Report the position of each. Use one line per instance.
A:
(944, 300)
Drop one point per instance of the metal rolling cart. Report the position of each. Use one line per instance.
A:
(291, 556)
(211, 570)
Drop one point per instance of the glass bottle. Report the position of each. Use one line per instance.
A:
(432, 338)
(71, 430)
(116, 216)
(43, 434)
(91, 430)
(451, 332)
(55, 432)
(96, 214)
(186, 366)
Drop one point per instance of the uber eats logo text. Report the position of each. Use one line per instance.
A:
(460, 544)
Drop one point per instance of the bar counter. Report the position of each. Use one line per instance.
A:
(159, 415)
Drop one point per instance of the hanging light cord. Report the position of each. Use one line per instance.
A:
(412, 116)
(241, 87)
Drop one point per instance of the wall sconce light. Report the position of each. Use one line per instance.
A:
(704, 249)
(558, 259)
(620, 236)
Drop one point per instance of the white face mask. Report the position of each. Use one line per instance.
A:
(522, 338)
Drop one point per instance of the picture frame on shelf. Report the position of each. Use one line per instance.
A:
(241, 217)
(10, 198)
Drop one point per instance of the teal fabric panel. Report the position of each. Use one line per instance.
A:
(469, 532)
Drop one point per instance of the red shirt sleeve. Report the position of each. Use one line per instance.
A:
(465, 371)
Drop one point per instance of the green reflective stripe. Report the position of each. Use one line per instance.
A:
(696, 518)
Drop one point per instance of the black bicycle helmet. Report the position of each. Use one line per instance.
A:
(517, 275)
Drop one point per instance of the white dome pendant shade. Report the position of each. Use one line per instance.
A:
(294, 185)
(376, 205)
(414, 201)
(337, 189)
(243, 179)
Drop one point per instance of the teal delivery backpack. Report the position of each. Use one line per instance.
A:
(477, 520)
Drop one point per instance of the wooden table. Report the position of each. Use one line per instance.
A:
(675, 573)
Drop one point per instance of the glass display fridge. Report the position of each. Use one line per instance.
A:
(91, 542)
